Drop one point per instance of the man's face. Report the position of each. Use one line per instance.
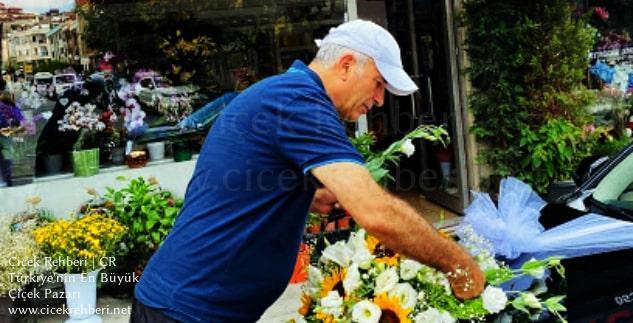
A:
(364, 89)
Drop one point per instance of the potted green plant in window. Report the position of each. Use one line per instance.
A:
(85, 155)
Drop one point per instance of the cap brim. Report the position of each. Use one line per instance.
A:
(398, 81)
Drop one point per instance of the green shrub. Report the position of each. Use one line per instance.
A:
(148, 211)
(528, 60)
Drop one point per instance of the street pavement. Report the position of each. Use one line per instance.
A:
(284, 309)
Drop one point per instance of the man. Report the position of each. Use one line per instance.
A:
(232, 250)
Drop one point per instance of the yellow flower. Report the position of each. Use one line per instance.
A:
(324, 317)
(392, 310)
(383, 254)
(333, 282)
(306, 302)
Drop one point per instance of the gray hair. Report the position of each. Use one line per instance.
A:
(329, 53)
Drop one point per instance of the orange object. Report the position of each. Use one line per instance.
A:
(343, 223)
(300, 273)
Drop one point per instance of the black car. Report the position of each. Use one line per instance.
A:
(599, 287)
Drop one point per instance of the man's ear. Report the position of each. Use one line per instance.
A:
(345, 66)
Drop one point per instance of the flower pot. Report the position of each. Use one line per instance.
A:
(86, 162)
(137, 159)
(182, 151)
(81, 297)
(156, 150)
(5, 172)
(118, 155)
(53, 163)
(23, 170)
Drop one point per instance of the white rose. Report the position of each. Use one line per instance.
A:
(386, 281)
(405, 294)
(352, 279)
(628, 132)
(407, 148)
(433, 315)
(494, 299)
(366, 312)
(332, 304)
(339, 253)
(409, 269)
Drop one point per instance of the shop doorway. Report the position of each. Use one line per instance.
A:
(424, 30)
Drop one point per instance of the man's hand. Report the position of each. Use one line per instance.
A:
(399, 227)
(323, 201)
(467, 280)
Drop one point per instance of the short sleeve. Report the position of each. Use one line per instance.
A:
(310, 134)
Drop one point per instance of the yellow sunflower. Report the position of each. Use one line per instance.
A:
(334, 282)
(392, 310)
(324, 317)
(306, 302)
(383, 254)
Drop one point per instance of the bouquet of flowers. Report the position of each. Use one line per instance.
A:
(360, 280)
(11, 119)
(174, 108)
(84, 119)
(30, 99)
(78, 246)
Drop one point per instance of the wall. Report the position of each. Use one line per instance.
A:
(64, 194)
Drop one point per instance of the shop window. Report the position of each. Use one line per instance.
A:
(156, 82)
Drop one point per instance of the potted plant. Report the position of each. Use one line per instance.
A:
(21, 249)
(78, 249)
(11, 130)
(83, 118)
(148, 211)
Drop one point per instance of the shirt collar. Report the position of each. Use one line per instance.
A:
(298, 65)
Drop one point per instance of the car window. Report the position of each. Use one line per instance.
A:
(65, 79)
(616, 188)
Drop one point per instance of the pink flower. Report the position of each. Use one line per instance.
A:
(601, 12)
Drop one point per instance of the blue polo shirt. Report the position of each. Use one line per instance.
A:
(232, 250)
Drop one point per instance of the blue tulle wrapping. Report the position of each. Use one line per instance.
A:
(514, 231)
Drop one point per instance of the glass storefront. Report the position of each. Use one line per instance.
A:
(155, 70)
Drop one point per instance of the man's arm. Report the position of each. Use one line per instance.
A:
(399, 226)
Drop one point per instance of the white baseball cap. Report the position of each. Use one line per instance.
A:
(376, 42)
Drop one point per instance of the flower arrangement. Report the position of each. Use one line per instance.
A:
(82, 118)
(133, 117)
(174, 108)
(359, 280)
(78, 246)
(30, 99)
(20, 248)
(11, 119)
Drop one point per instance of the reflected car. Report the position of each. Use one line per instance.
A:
(599, 287)
(63, 82)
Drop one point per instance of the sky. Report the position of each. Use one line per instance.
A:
(41, 6)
